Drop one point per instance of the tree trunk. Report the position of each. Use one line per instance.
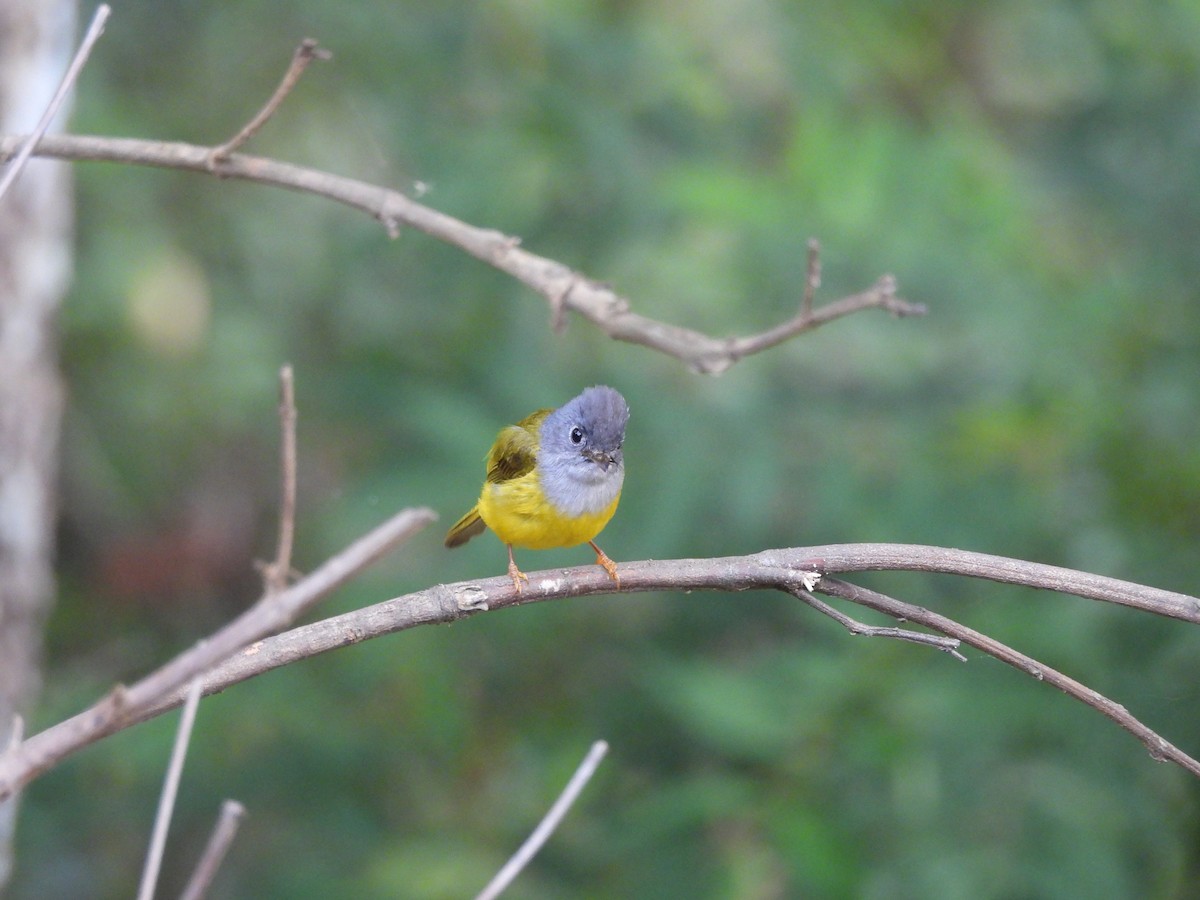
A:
(36, 43)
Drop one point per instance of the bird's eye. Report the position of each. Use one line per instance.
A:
(576, 435)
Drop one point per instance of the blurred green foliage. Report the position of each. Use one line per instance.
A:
(1027, 169)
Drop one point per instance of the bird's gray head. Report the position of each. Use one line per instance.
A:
(579, 454)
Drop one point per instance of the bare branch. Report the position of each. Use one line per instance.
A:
(276, 573)
(305, 53)
(881, 295)
(214, 852)
(125, 705)
(784, 569)
(72, 74)
(945, 644)
(166, 800)
(545, 828)
(562, 288)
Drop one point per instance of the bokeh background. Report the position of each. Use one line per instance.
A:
(1026, 168)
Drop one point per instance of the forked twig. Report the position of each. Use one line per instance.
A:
(214, 852)
(166, 800)
(305, 54)
(545, 828)
(881, 295)
(68, 80)
(945, 644)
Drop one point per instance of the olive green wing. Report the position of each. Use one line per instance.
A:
(515, 452)
(465, 528)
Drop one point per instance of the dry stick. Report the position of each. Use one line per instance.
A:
(214, 852)
(1159, 748)
(72, 74)
(276, 573)
(561, 286)
(305, 53)
(125, 705)
(166, 800)
(545, 828)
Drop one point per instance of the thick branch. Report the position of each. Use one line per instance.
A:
(562, 287)
(785, 569)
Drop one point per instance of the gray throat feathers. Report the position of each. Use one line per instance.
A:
(573, 496)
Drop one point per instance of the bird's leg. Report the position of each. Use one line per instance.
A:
(606, 564)
(514, 573)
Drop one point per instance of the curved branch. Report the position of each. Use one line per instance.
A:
(562, 287)
(788, 570)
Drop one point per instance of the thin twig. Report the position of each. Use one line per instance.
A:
(881, 295)
(214, 852)
(945, 644)
(557, 283)
(166, 800)
(276, 573)
(305, 53)
(812, 278)
(72, 74)
(546, 827)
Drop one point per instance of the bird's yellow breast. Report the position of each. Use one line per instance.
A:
(518, 511)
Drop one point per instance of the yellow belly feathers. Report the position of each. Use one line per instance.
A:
(518, 511)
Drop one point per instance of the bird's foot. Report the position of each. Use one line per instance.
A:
(514, 573)
(604, 562)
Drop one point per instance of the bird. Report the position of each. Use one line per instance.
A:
(553, 480)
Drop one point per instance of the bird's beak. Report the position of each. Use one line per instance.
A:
(602, 459)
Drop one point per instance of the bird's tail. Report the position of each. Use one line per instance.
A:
(465, 528)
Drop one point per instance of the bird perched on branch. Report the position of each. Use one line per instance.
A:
(553, 479)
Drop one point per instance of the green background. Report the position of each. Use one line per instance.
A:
(1026, 169)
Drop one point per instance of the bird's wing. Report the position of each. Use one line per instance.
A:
(465, 528)
(515, 450)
